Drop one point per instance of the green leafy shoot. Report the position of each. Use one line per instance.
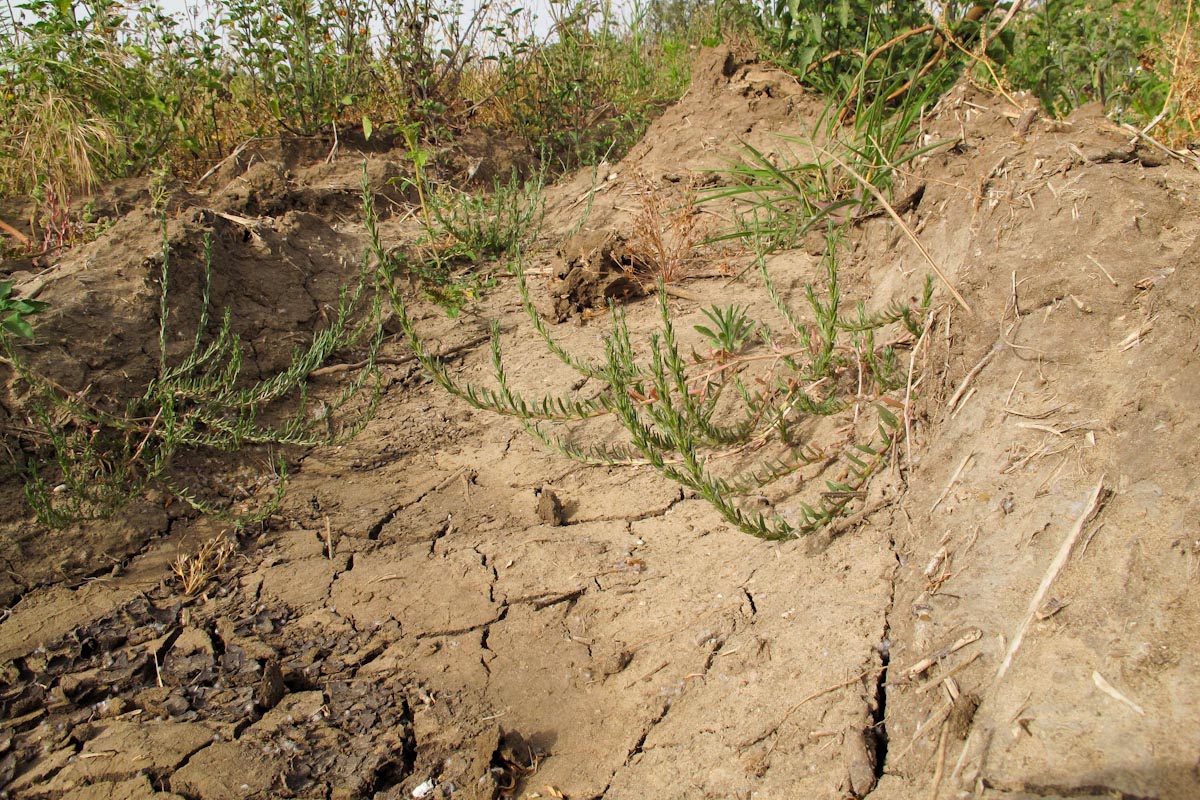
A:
(14, 312)
(730, 329)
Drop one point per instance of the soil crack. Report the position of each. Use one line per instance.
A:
(377, 528)
(438, 634)
(750, 602)
(483, 645)
(445, 528)
(877, 733)
(484, 636)
(879, 714)
(717, 643)
(640, 743)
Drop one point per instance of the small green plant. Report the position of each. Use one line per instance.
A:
(308, 62)
(91, 458)
(459, 227)
(1071, 52)
(730, 330)
(451, 286)
(588, 92)
(486, 226)
(805, 185)
(14, 312)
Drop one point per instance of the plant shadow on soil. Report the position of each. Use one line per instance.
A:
(410, 617)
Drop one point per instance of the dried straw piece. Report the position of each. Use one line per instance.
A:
(883, 202)
(951, 482)
(1056, 566)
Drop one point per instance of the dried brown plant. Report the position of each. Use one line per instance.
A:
(664, 238)
(195, 571)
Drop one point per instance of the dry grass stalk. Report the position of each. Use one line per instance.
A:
(940, 768)
(933, 683)
(69, 141)
(664, 239)
(975, 370)
(194, 571)
(1103, 685)
(891, 211)
(909, 384)
(969, 637)
(813, 696)
(1056, 566)
(951, 482)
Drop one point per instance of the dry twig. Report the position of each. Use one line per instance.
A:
(16, 234)
(950, 483)
(967, 638)
(883, 202)
(1091, 508)
(975, 370)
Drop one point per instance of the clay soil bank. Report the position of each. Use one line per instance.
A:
(1012, 612)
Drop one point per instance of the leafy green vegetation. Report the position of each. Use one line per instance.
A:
(94, 89)
(591, 93)
(14, 312)
(1070, 53)
(800, 187)
(90, 459)
(690, 415)
(462, 229)
(488, 225)
(85, 99)
(736, 423)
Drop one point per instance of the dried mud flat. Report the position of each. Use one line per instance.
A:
(422, 620)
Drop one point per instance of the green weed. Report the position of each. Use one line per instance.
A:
(588, 94)
(1072, 52)
(90, 459)
(728, 425)
(15, 311)
(802, 186)
(489, 225)
(463, 227)
(858, 48)
(730, 329)
(308, 63)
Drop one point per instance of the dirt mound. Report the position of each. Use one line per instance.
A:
(279, 278)
(1075, 245)
(1007, 616)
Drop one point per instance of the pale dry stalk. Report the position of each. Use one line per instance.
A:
(664, 238)
(194, 571)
